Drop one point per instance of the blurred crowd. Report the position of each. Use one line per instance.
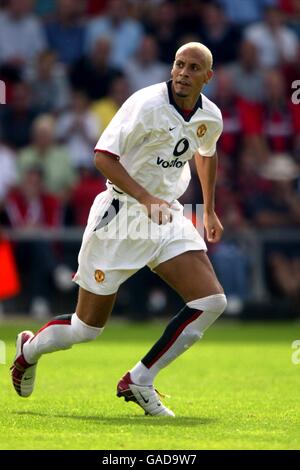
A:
(68, 65)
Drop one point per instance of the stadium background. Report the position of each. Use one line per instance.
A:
(68, 66)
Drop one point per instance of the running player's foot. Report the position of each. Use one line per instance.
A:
(145, 396)
(22, 373)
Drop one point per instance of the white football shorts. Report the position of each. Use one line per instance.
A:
(120, 239)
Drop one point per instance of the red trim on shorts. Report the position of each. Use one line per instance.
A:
(177, 333)
(106, 152)
(50, 323)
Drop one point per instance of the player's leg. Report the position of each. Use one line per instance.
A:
(191, 274)
(62, 332)
(193, 278)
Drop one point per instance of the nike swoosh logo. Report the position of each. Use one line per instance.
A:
(172, 128)
(143, 398)
(27, 378)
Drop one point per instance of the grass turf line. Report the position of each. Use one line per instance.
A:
(236, 389)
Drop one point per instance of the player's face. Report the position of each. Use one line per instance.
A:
(189, 73)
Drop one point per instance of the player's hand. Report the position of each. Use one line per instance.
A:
(158, 210)
(214, 228)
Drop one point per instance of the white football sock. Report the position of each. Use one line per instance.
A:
(60, 333)
(141, 375)
(181, 333)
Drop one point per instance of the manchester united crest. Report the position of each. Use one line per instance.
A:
(201, 130)
(99, 275)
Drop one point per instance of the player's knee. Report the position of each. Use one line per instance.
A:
(220, 302)
(83, 332)
(213, 303)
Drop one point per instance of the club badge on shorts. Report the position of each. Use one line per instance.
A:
(201, 130)
(99, 275)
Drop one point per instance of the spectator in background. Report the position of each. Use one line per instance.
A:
(144, 69)
(97, 7)
(251, 157)
(18, 116)
(90, 184)
(233, 125)
(66, 32)
(284, 270)
(106, 108)
(242, 119)
(294, 19)
(10, 76)
(124, 33)
(230, 257)
(140, 4)
(188, 14)
(55, 161)
(247, 75)
(281, 118)
(279, 205)
(275, 42)
(291, 74)
(28, 208)
(78, 129)
(291, 71)
(93, 74)
(45, 8)
(218, 34)
(247, 12)
(48, 80)
(163, 26)
(21, 34)
(280, 208)
(232, 263)
(8, 173)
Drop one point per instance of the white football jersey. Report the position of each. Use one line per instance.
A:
(154, 140)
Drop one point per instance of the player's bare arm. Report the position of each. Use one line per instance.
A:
(157, 209)
(207, 172)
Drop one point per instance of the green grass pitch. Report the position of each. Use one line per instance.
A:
(236, 389)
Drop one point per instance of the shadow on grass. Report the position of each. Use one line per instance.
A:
(127, 420)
